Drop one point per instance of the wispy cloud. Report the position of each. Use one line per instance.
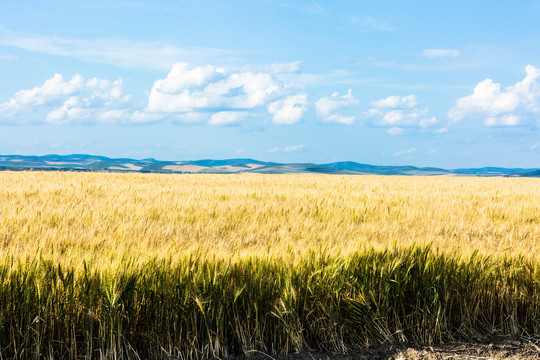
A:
(291, 148)
(280, 68)
(434, 53)
(368, 23)
(310, 8)
(128, 4)
(403, 152)
(7, 58)
(227, 117)
(410, 66)
(395, 131)
(119, 52)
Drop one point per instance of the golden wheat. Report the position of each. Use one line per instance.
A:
(75, 216)
(131, 266)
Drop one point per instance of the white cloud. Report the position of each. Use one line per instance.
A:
(70, 110)
(399, 111)
(209, 88)
(442, 130)
(367, 24)
(288, 110)
(433, 53)
(124, 116)
(119, 52)
(204, 94)
(503, 120)
(7, 58)
(193, 118)
(433, 151)
(403, 152)
(285, 68)
(432, 66)
(293, 148)
(227, 117)
(396, 102)
(307, 7)
(64, 101)
(428, 122)
(52, 89)
(514, 105)
(395, 131)
(535, 146)
(142, 117)
(326, 107)
(182, 78)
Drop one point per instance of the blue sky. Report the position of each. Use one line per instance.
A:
(427, 83)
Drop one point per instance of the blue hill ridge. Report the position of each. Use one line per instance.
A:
(84, 162)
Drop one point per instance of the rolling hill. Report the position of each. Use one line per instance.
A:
(82, 162)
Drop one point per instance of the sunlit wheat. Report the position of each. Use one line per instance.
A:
(121, 266)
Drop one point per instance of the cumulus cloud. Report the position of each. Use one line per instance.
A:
(397, 112)
(326, 106)
(396, 102)
(188, 95)
(52, 89)
(182, 78)
(433, 53)
(210, 88)
(203, 95)
(70, 110)
(71, 100)
(288, 110)
(511, 106)
(428, 122)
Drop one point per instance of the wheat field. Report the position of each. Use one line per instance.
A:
(122, 266)
(104, 216)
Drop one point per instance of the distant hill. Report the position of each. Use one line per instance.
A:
(535, 173)
(82, 162)
(385, 170)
